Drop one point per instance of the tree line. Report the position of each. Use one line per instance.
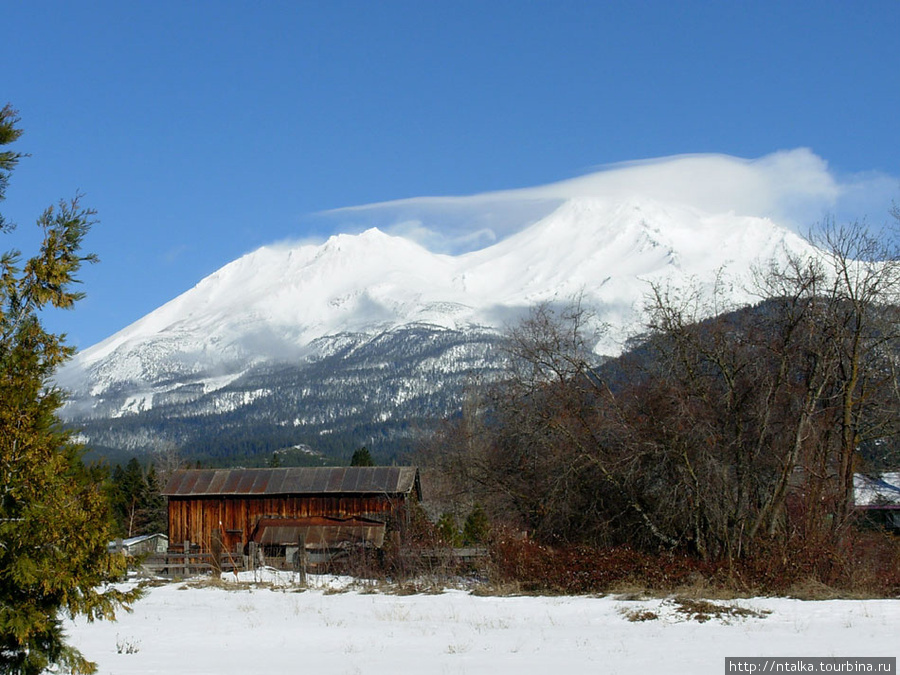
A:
(721, 432)
(136, 501)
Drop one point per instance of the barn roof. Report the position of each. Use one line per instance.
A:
(382, 480)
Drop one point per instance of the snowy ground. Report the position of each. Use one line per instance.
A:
(180, 628)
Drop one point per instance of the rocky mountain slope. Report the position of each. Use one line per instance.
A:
(358, 340)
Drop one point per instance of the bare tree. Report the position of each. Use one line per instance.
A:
(719, 430)
(861, 326)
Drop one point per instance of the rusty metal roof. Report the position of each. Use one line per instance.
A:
(372, 480)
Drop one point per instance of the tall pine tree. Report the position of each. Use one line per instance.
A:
(54, 520)
(134, 494)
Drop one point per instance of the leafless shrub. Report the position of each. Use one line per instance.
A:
(723, 444)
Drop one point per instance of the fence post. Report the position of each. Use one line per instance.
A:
(216, 547)
(253, 555)
(301, 560)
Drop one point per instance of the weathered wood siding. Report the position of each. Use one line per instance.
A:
(195, 519)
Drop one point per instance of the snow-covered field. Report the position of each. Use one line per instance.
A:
(249, 630)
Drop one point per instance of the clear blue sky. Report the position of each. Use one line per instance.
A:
(202, 130)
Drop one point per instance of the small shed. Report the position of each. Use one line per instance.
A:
(148, 543)
(333, 504)
(323, 540)
(878, 497)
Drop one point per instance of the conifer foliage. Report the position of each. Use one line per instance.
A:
(362, 457)
(53, 515)
(137, 505)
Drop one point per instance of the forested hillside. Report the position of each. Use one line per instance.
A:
(380, 392)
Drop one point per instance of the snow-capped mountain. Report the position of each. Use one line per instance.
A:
(373, 328)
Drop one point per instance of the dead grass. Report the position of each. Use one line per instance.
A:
(701, 611)
(813, 589)
(635, 615)
(631, 591)
(216, 582)
(694, 609)
(417, 587)
(698, 588)
(498, 589)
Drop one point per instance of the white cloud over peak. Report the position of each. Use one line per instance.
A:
(795, 188)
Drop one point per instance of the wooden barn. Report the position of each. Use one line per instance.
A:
(277, 507)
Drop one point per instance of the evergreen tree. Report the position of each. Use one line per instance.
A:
(157, 517)
(449, 532)
(477, 528)
(362, 458)
(137, 505)
(128, 498)
(53, 514)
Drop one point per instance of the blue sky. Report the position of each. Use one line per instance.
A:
(203, 130)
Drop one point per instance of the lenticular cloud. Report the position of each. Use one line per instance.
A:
(795, 188)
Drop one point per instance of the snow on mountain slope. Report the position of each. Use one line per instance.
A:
(289, 304)
(611, 252)
(297, 293)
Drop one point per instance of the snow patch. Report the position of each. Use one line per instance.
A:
(265, 624)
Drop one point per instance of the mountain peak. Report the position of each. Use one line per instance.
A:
(279, 304)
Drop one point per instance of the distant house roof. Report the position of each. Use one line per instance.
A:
(381, 480)
(877, 492)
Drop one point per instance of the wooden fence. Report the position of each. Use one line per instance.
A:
(179, 564)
